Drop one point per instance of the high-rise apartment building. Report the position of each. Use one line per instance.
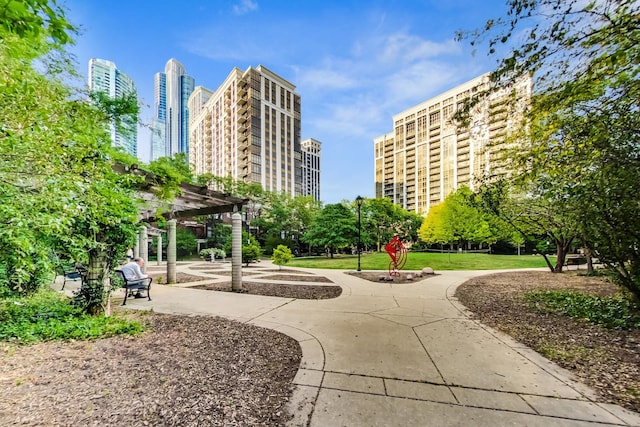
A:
(248, 129)
(105, 77)
(311, 168)
(427, 156)
(170, 125)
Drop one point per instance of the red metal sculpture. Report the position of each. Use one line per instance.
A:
(398, 254)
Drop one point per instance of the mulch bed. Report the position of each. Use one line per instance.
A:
(285, 270)
(180, 278)
(279, 290)
(227, 272)
(608, 360)
(185, 371)
(297, 278)
(375, 276)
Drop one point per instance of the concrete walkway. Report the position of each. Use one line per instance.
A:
(386, 354)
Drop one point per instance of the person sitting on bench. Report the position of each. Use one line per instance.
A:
(134, 275)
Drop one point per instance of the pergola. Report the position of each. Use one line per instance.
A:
(193, 201)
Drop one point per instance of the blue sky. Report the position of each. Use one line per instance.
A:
(354, 63)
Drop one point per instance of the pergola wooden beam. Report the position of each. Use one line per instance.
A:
(195, 201)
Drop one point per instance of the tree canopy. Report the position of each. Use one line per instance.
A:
(60, 193)
(580, 149)
(459, 220)
(334, 228)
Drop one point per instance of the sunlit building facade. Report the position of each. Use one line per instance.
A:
(311, 168)
(248, 129)
(105, 77)
(427, 157)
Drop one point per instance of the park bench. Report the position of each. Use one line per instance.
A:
(575, 259)
(72, 272)
(134, 285)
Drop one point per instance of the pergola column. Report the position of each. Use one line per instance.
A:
(136, 246)
(159, 249)
(171, 251)
(236, 252)
(144, 247)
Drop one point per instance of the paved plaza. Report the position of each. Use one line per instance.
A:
(385, 354)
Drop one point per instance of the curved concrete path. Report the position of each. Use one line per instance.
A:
(386, 354)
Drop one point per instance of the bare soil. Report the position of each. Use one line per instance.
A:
(197, 371)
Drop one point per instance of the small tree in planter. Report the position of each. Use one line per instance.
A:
(281, 255)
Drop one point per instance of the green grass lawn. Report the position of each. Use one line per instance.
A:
(419, 260)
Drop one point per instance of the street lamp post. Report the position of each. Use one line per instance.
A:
(359, 203)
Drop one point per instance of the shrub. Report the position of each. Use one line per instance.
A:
(611, 312)
(251, 250)
(216, 252)
(186, 243)
(47, 316)
(251, 253)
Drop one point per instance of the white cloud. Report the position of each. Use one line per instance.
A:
(403, 48)
(245, 6)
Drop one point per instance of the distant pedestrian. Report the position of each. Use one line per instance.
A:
(129, 254)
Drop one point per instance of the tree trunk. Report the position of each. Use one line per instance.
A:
(562, 248)
(546, 259)
(96, 289)
(587, 254)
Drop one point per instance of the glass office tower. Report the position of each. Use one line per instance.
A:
(105, 77)
(170, 127)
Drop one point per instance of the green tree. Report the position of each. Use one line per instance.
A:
(283, 219)
(532, 217)
(580, 142)
(458, 220)
(434, 228)
(281, 255)
(36, 20)
(27, 214)
(61, 186)
(334, 228)
(381, 219)
(186, 242)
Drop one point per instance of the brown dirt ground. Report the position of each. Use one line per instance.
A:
(194, 371)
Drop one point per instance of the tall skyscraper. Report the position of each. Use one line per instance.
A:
(105, 77)
(170, 126)
(427, 156)
(249, 129)
(311, 168)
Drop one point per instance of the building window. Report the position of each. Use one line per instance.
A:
(434, 119)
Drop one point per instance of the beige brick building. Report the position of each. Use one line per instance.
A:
(249, 129)
(311, 149)
(427, 156)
